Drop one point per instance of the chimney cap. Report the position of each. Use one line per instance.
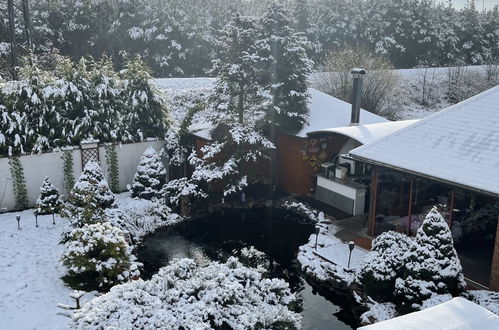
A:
(358, 71)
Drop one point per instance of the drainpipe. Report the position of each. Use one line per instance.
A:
(358, 77)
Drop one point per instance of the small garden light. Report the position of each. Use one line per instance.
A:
(351, 245)
(53, 216)
(35, 212)
(18, 218)
(317, 232)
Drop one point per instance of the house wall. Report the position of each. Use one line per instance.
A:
(37, 167)
(296, 174)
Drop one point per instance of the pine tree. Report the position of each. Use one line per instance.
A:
(150, 178)
(238, 95)
(283, 53)
(48, 202)
(431, 265)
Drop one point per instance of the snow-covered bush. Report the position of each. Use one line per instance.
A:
(431, 266)
(98, 256)
(150, 178)
(183, 295)
(138, 218)
(384, 264)
(251, 257)
(48, 201)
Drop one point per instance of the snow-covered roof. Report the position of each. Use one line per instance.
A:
(458, 313)
(459, 145)
(367, 133)
(327, 111)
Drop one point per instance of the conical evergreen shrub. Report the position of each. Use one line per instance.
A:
(431, 265)
(49, 200)
(150, 178)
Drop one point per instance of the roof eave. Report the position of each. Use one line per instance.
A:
(427, 176)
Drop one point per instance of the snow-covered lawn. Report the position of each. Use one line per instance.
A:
(30, 284)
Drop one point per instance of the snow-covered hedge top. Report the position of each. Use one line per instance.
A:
(183, 295)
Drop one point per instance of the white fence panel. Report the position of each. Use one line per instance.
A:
(37, 167)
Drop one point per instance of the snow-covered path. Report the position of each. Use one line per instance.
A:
(30, 284)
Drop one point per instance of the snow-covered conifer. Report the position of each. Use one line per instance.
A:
(287, 66)
(220, 295)
(99, 256)
(150, 178)
(89, 197)
(431, 265)
(238, 95)
(48, 201)
(384, 264)
(145, 115)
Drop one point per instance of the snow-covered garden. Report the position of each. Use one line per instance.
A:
(71, 259)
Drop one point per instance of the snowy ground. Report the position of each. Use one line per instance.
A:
(30, 286)
(330, 248)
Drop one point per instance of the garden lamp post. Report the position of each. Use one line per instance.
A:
(317, 232)
(36, 218)
(18, 218)
(351, 245)
(53, 215)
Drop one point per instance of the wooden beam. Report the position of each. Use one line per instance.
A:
(409, 209)
(372, 204)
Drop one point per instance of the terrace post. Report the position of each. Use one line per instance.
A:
(372, 205)
(494, 272)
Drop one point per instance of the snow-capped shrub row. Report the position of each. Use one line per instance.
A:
(183, 295)
(76, 102)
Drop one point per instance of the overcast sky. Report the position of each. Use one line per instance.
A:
(479, 3)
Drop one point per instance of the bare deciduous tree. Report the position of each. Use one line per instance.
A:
(380, 81)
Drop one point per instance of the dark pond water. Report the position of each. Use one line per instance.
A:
(278, 233)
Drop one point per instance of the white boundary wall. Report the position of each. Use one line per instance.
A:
(37, 167)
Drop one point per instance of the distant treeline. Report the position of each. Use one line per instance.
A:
(180, 37)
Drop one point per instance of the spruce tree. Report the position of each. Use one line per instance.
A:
(91, 190)
(150, 178)
(432, 265)
(283, 54)
(48, 201)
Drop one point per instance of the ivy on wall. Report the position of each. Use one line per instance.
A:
(19, 184)
(112, 168)
(69, 180)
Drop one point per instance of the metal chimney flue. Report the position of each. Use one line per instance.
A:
(358, 77)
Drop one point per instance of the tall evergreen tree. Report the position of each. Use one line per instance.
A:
(238, 95)
(283, 53)
(146, 113)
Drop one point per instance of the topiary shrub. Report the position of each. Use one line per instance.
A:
(431, 266)
(384, 264)
(48, 201)
(150, 178)
(97, 256)
(183, 295)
